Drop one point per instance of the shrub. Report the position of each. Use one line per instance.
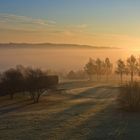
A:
(34, 84)
(11, 82)
(129, 97)
(21, 79)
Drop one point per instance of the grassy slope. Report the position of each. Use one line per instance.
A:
(78, 113)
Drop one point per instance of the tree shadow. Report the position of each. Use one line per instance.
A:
(13, 103)
(87, 119)
(83, 122)
(99, 92)
(104, 125)
(110, 123)
(14, 107)
(75, 119)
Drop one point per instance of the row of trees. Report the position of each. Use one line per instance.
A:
(98, 67)
(130, 67)
(24, 79)
(35, 81)
(80, 74)
(105, 67)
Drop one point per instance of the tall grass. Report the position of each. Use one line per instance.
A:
(129, 97)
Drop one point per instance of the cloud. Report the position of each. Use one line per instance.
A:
(15, 21)
(70, 30)
(26, 23)
(82, 26)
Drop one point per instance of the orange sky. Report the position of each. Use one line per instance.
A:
(97, 23)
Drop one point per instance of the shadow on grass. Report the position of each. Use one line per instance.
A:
(108, 124)
(87, 119)
(91, 120)
(78, 121)
(99, 92)
(16, 106)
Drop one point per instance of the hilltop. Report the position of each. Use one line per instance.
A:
(51, 46)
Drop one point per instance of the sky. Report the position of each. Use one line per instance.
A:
(114, 23)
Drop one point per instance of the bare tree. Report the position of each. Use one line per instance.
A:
(108, 67)
(90, 68)
(121, 69)
(11, 80)
(132, 66)
(71, 75)
(100, 68)
(34, 84)
(25, 79)
(138, 67)
(96, 67)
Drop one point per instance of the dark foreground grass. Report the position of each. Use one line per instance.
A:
(86, 113)
(129, 97)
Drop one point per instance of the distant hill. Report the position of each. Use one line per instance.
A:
(51, 46)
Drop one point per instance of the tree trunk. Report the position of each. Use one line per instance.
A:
(12, 96)
(90, 77)
(132, 75)
(107, 77)
(37, 98)
(121, 78)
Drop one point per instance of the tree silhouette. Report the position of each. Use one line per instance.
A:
(108, 67)
(34, 83)
(71, 75)
(11, 81)
(25, 79)
(132, 66)
(138, 67)
(90, 68)
(121, 69)
(100, 68)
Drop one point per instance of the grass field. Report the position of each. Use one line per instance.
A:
(84, 111)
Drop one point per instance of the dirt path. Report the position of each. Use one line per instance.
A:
(78, 114)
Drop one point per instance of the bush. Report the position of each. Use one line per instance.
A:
(129, 97)
(33, 83)
(21, 79)
(11, 82)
